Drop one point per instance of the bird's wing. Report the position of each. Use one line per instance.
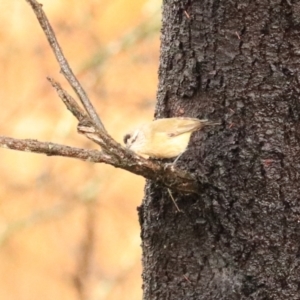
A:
(184, 125)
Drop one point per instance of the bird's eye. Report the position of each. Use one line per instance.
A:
(126, 138)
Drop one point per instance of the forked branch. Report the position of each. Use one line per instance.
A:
(91, 126)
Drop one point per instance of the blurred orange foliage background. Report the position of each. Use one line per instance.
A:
(69, 229)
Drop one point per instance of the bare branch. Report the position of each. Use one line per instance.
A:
(65, 68)
(51, 149)
(91, 126)
(167, 175)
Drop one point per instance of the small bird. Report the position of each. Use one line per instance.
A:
(164, 138)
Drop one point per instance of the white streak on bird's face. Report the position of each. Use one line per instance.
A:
(132, 140)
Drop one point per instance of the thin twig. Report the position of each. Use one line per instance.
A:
(63, 63)
(68, 100)
(177, 207)
(187, 15)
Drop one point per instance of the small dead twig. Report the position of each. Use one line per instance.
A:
(185, 277)
(187, 15)
(68, 100)
(170, 193)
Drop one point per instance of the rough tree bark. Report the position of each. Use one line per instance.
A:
(235, 61)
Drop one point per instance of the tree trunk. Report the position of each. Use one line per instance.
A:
(234, 61)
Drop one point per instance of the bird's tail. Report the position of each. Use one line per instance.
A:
(210, 123)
